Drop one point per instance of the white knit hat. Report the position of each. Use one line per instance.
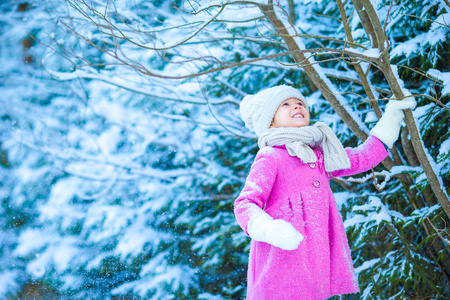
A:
(257, 111)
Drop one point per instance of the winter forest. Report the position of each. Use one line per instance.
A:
(122, 149)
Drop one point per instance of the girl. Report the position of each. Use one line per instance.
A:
(299, 249)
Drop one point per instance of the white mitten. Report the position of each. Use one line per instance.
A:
(278, 233)
(388, 127)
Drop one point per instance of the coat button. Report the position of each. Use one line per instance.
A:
(312, 165)
(316, 183)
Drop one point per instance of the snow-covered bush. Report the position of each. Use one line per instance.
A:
(122, 149)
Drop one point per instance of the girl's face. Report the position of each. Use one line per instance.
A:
(291, 113)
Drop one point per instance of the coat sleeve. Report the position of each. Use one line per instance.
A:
(364, 157)
(257, 188)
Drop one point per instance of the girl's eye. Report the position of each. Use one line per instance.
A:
(300, 103)
(285, 104)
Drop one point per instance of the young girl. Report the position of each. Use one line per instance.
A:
(299, 249)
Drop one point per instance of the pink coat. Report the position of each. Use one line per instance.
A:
(288, 189)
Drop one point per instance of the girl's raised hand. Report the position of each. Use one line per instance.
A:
(387, 128)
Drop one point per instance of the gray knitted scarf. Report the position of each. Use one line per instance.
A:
(300, 142)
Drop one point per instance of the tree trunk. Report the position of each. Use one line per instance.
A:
(384, 63)
(322, 85)
(312, 73)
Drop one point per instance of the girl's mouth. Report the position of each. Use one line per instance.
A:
(298, 115)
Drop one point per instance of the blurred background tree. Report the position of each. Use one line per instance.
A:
(122, 149)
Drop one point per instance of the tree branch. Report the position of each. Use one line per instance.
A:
(311, 71)
(426, 161)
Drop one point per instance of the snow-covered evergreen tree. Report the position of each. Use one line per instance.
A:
(122, 150)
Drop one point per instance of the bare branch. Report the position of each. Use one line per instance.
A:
(311, 71)
(425, 159)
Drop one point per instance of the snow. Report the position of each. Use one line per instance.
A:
(111, 219)
(152, 275)
(126, 81)
(372, 53)
(63, 254)
(33, 240)
(421, 213)
(202, 245)
(437, 168)
(239, 15)
(367, 265)
(135, 238)
(110, 138)
(208, 296)
(376, 3)
(91, 159)
(443, 77)
(62, 194)
(254, 186)
(8, 282)
(437, 34)
(371, 117)
(322, 75)
(445, 147)
(376, 212)
(71, 282)
(59, 255)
